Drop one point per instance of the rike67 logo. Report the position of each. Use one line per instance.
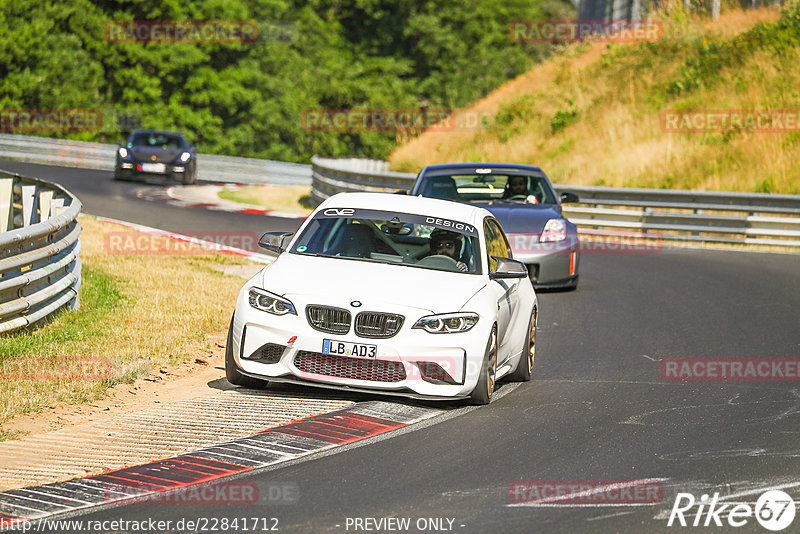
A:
(774, 510)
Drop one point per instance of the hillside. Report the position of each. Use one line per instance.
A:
(248, 98)
(593, 116)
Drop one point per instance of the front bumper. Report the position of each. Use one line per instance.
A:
(551, 265)
(411, 363)
(133, 169)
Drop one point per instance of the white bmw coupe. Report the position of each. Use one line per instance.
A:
(388, 294)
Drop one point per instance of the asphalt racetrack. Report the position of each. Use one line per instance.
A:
(601, 409)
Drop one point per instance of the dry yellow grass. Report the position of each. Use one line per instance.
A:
(293, 198)
(138, 313)
(617, 93)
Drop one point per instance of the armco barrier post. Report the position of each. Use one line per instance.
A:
(6, 204)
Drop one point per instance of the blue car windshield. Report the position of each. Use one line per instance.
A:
(389, 237)
(490, 186)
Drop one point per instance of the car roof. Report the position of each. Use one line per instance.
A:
(493, 166)
(151, 131)
(457, 211)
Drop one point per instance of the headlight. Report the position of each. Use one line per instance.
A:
(185, 157)
(123, 152)
(448, 323)
(554, 230)
(266, 301)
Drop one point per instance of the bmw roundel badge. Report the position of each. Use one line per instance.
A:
(356, 304)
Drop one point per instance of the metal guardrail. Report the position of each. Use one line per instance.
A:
(99, 156)
(331, 176)
(40, 270)
(673, 215)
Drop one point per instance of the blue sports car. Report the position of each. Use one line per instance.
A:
(525, 203)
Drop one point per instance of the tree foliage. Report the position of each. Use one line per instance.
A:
(248, 99)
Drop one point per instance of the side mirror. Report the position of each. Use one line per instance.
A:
(273, 241)
(508, 268)
(569, 196)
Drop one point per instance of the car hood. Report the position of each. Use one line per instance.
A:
(162, 155)
(337, 281)
(519, 217)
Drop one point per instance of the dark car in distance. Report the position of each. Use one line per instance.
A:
(156, 153)
(525, 203)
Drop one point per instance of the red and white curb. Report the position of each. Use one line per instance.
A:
(207, 197)
(268, 448)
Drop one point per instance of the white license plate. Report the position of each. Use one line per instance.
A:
(154, 167)
(342, 348)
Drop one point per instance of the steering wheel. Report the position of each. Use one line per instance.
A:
(439, 261)
(420, 254)
(518, 197)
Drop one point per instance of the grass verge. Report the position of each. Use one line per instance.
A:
(138, 313)
(294, 198)
(592, 116)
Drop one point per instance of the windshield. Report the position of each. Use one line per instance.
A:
(389, 237)
(514, 187)
(156, 140)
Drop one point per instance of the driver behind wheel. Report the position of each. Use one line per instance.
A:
(517, 187)
(446, 243)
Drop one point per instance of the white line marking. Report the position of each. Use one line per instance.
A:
(634, 420)
(761, 490)
(586, 505)
(608, 516)
(55, 496)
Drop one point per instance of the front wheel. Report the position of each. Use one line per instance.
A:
(232, 372)
(190, 177)
(482, 393)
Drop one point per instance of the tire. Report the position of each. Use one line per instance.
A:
(525, 366)
(482, 393)
(190, 178)
(232, 372)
